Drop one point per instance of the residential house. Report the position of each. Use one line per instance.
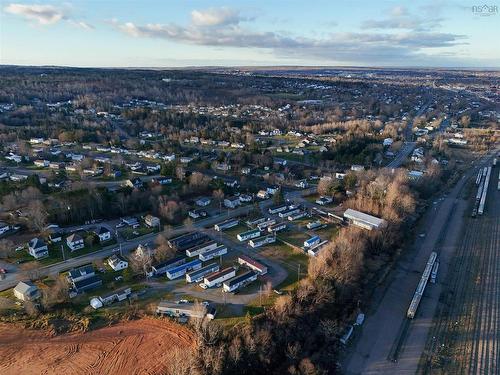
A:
(203, 201)
(232, 202)
(114, 296)
(245, 198)
(197, 213)
(37, 248)
(41, 163)
(272, 190)
(134, 183)
(183, 310)
(18, 177)
(152, 221)
(4, 228)
(55, 237)
(246, 170)
(103, 233)
(26, 291)
(162, 180)
(84, 278)
(117, 263)
(75, 242)
(262, 194)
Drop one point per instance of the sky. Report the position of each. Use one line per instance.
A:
(178, 33)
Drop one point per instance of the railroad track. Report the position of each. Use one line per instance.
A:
(465, 335)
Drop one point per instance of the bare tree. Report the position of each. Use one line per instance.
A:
(57, 293)
(6, 248)
(163, 250)
(37, 215)
(219, 197)
(141, 262)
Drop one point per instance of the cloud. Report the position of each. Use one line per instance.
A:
(225, 30)
(400, 18)
(44, 14)
(82, 25)
(215, 17)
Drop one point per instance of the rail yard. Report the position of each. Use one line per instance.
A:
(465, 333)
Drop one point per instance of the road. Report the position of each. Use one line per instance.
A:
(402, 154)
(408, 145)
(441, 225)
(13, 277)
(465, 337)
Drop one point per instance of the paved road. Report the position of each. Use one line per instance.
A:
(381, 329)
(402, 154)
(127, 246)
(408, 146)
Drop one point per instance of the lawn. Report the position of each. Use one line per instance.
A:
(232, 232)
(290, 259)
(293, 237)
(130, 233)
(86, 250)
(329, 232)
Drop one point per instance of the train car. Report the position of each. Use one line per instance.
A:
(482, 202)
(434, 272)
(419, 292)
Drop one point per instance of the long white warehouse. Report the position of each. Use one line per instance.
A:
(362, 220)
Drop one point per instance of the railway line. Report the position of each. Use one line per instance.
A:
(465, 336)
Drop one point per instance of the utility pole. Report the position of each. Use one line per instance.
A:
(298, 274)
(260, 296)
(62, 251)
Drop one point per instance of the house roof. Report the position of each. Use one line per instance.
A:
(115, 259)
(87, 282)
(240, 278)
(24, 286)
(101, 230)
(36, 243)
(74, 237)
(81, 271)
(362, 217)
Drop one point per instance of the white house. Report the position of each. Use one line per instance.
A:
(152, 221)
(75, 242)
(37, 248)
(26, 291)
(117, 263)
(103, 233)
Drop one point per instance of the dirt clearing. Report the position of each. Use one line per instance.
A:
(137, 347)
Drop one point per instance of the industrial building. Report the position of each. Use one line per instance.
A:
(362, 220)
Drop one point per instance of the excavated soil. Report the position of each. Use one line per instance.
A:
(135, 347)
